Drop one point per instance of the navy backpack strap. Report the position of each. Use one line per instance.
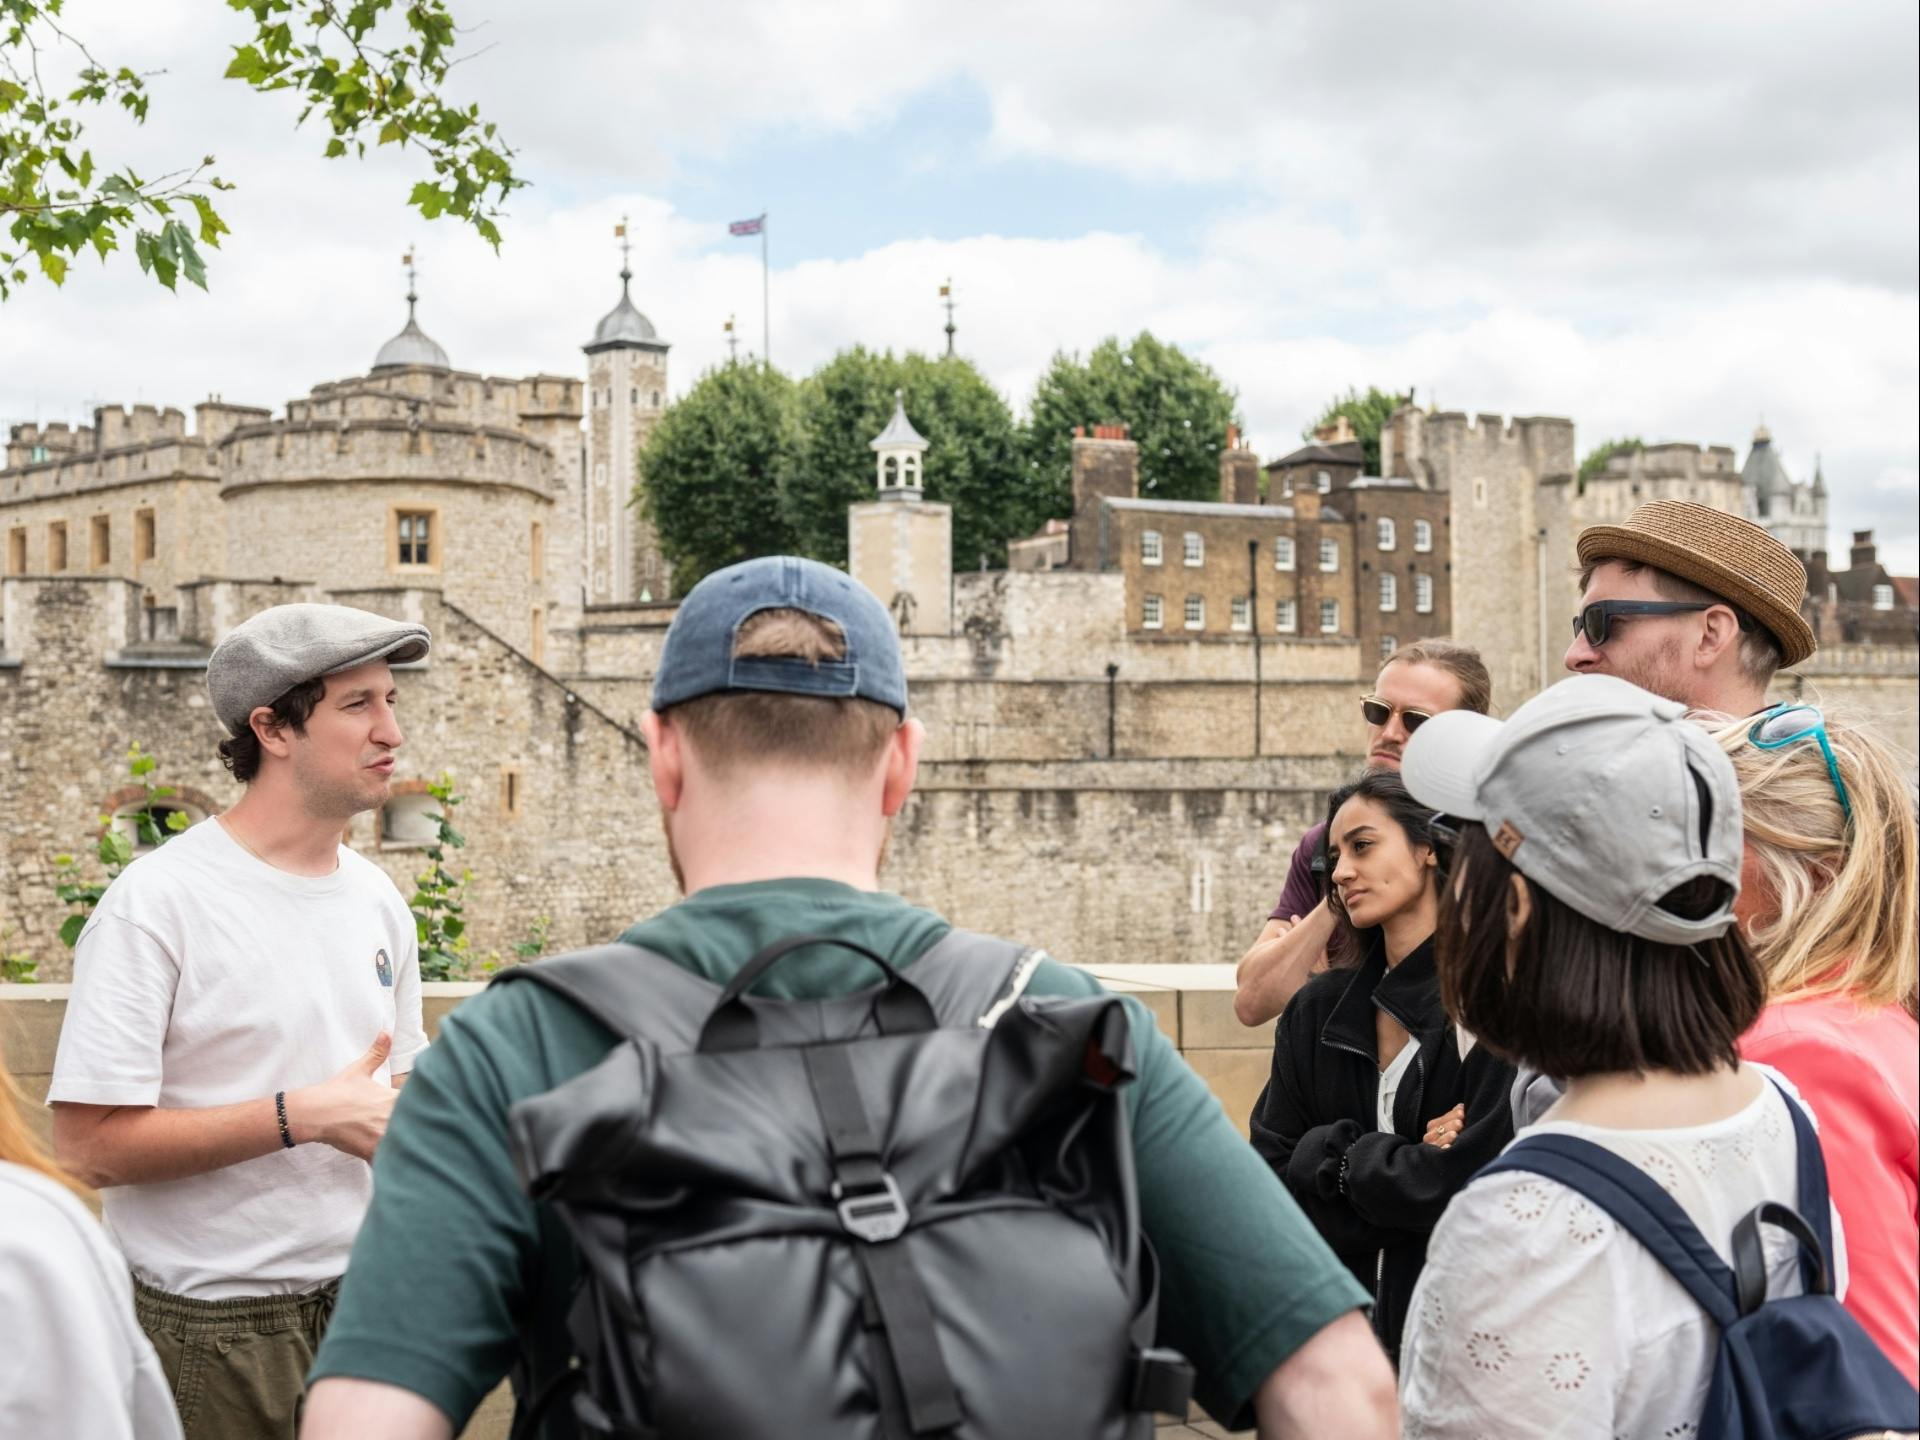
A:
(1811, 1200)
(1641, 1207)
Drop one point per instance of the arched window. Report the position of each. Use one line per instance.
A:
(1389, 591)
(1149, 547)
(1388, 535)
(1329, 555)
(1283, 552)
(127, 821)
(409, 821)
(1196, 612)
(1150, 617)
(1423, 536)
(1323, 482)
(1195, 548)
(1329, 617)
(1423, 594)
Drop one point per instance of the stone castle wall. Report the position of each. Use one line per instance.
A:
(1168, 860)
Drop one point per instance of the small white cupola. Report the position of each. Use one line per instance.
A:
(897, 451)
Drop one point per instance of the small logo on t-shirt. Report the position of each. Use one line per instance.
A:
(383, 967)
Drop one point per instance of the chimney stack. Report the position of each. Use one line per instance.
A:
(1239, 472)
(1106, 466)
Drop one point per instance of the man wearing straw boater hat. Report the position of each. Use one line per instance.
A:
(1691, 603)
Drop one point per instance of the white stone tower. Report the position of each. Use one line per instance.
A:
(901, 546)
(626, 392)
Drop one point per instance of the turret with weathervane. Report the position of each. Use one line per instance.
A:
(900, 545)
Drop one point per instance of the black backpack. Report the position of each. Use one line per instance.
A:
(904, 1212)
(1794, 1368)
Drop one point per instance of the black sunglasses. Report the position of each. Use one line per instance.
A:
(1595, 621)
(1379, 712)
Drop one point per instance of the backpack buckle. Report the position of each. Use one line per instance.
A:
(872, 1213)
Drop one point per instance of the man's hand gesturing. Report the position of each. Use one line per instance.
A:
(348, 1112)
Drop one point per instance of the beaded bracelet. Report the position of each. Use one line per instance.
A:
(280, 1113)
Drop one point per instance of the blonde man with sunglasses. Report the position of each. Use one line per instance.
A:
(1417, 682)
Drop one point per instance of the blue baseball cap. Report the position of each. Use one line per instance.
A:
(698, 657)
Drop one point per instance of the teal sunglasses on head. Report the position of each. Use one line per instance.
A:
(1790, 722)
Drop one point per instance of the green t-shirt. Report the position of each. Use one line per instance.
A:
(454, 1262)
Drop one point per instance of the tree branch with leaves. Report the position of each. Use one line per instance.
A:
(370, 71)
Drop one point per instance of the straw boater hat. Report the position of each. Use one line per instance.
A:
(1733, 558)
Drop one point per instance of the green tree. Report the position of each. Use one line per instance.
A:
(713, 468)
(1597, 458)
(372, 71)
(972, 460)
(1368, 415)
(1177, 410)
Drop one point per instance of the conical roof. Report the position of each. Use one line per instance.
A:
(412, 346)
(624, 325)
(1763, 473)
(899, 431)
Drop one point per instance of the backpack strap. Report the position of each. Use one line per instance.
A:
(972, 979)
(1641, 1207)
(1815, 1228)
(629, 990)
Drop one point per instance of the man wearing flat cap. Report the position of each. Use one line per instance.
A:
(1691, 603)
(246, 1001)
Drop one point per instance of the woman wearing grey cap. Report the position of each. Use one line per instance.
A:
(1587, 931)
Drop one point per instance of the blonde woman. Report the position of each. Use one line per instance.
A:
(1827, 905)
(80, 1366)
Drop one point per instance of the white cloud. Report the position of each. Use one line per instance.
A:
(1660, 220)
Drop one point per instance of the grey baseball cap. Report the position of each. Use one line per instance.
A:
(267, 655)
(1599, 792)
(698, 657)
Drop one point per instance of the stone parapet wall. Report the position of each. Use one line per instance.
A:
(383, 451)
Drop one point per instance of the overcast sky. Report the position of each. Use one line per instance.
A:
(1666, 220)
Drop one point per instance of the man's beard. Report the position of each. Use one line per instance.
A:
(1655, 672)
(327, 797)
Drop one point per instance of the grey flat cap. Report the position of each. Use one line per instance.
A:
(262, 659)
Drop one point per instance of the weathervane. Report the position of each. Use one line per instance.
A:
(733, 342)
(626, 249)
(946, 298)
(407, 260)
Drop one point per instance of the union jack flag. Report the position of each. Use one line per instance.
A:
(747, 227)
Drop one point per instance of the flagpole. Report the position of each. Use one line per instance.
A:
(766, 307)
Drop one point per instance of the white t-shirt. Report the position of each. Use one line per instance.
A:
(1537, 1316)
(207, 977)
(1390, 1085)
(75, 1363)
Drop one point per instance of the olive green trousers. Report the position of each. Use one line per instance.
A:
(238, 1367)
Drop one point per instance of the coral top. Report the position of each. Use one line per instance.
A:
(1859, 1069)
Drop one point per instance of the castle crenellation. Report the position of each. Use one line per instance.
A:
(1126, 729)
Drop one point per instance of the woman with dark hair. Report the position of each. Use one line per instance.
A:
(1586, 931)
(1366, 1066)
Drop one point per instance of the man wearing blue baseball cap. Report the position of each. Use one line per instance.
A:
(782, 749)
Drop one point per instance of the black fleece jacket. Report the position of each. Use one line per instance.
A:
(1376, 1195)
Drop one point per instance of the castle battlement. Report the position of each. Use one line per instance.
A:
(383, 450)
(1670, 460)
(136, 464)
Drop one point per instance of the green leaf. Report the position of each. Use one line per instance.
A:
(70, 929)
(248, 64)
